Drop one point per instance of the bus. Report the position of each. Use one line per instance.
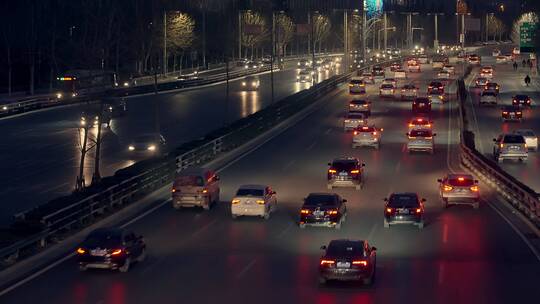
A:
(83, 82)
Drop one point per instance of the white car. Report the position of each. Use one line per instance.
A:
(420, 140)
(367, 136)
(530, 138)
(413, 67)
(409, 92)
(354, 119)
(489, 98)
(391, 81)
(254, 200)
(501, 59)
(368, 77)
(449, 68)
(423, 59)
(486, 72)
(400, 74)
(387, 90)
(443, 74)
(496, 52)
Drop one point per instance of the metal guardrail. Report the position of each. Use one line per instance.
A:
(523, 198)
(133, 188)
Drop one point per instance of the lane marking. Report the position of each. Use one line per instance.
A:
(469, 98)
(288, 165)
(441, 274)
(372, 232)
(328, 131)
(282, 233)
(398, 167)
(246, 269)
(311, 146)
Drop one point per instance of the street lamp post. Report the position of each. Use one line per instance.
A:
(436, 21)
(412, 31)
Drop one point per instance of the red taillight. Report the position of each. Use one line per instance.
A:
(474, 188)
(360, 263)
(355, 132)
(461, 179)
(304, 211)
(173, 190)
(332, 212)
(448, 188)
(418, 210)
(389, 210)
(116, 252)
(332, 171)
(504, 112)
(355, 171)
(205, 191)
(81, 251)
(327, 262)
(374, 133)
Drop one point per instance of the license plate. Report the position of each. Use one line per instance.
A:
(421, 105)
(514, 147)
(404, 211)
(343, 265)
(98, 252)
(318, 213)
(342, 173)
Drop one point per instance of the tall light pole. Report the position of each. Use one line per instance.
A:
(346, 40)
(436, 20)
(385, 26)
(164, 42)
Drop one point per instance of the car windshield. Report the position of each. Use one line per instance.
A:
(488, 94)
(435, 84)
(408, 87)
(189, 180)
(356, 81)
(420, 133)
(344, 165)
(513, 139)
(355, 116)
(304, 73)
(510, 109)
(358, 102)
(387, 86)
(251, 78)
(249, 192)
(481, 79)
(422, 100)
(491, 84)
(345, 248)
(403, 200)
(461, 181)
(144, 139)
(366, 129)
(320, 200)
(522, 97)
(103, 239)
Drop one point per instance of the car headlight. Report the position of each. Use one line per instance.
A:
(73, 94)
(4, 108)
(131, 148)
(297, 77)
(59, 95)
(254, 83)
(151, 148)
(126, 84)
(246, 66)
(83, 122)
(243, 83)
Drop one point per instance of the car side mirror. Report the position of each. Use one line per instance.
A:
(363, 165)
(434, 134)
(407, 134)
(323, 247)
(423, 200)
(374, 248)
(385, 199)
(217, 178)
(344, 200)
(476, 181)
(439, 180)
(329, 164)
(494, 140)
(274, 192)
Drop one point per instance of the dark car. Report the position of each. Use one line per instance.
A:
(111, 248)
(404, 208)
(345, 172)
(361, 106)
(323, 209)
(435, 88)
(421, 105)
(492, 87)
(511, 113)
(521, 100)
(153, 143)
(348, 260)
(115, 106)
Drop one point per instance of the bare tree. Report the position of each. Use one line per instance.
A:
(180, 34)
(285, 29)
(321, 29)
(254, 30)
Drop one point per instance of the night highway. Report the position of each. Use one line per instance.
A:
(183, 116)
(383, 158)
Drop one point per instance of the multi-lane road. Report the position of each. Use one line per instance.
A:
(40, 151)
(487, 122)
(461, 256)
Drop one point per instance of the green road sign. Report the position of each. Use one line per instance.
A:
(526, 37)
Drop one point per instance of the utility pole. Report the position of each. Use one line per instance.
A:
(364, 32)
(310, 35)
(239, 35)
(385, 32)
(204, 37)
(272, 55)
(463, 31)
(96, 178)
(346, 40)
(487, 27)
(164, 42)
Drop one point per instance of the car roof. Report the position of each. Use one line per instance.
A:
(253, 187)
(193, 171)
(521, 95)
(457, 175)
(404, 194)
(345, 242)
(322, 194)
(345, 159)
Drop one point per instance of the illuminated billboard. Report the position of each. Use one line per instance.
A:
(373, 7)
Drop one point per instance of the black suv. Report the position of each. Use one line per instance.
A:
(348, 260)
(404, 208)
(421, 105)
(345, 172)
(111, 248)
(323, 209)
(521, 99)
(511, 113)
(435, 88)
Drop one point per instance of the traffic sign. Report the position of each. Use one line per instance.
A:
(526, 36)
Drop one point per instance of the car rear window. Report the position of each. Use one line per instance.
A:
(464, 181)
(403, 201)
(345, 248)
(103, 239)
(190, 180)
(387, 86)
(358, 102)
(488, 94)
(420, 133)
(356, 81)
(525, 133)
(513, 139)
(321, 200)
(249, 192)
(522, 97)
(344, 165)
(366, 129)
(355, 116)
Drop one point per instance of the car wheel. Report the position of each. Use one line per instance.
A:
(266, 216)
(207, 206)
(234, 216)
(322, 280)
(377, 146)
(329, 187)
(125, 267)
(302, 226)
(476, 205)
(500, 159)
(358, 187)
(338, 224)
(176, 206)
(445, 203)
(142, 256)
(368, 281)
(386, 224)
(421, 225)
(83, 268)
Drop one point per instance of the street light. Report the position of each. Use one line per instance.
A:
(436, 38)
(393, 28)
